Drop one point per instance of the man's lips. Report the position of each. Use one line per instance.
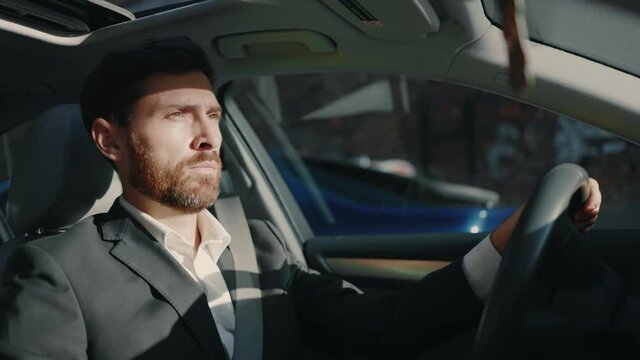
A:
(205, 166)
(208, 164)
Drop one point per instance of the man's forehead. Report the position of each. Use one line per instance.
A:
(193, 87)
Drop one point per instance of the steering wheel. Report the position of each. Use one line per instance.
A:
(503, 316)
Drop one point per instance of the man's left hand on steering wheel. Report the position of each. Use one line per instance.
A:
(584, 219)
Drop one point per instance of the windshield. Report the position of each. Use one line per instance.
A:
(607, 31)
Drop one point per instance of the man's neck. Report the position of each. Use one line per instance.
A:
(185, 224)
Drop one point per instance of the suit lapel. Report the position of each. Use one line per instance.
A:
(135, 248)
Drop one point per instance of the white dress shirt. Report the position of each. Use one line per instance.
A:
(200, 264)
(479, 265)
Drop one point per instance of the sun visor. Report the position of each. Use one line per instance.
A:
(399, 20)
(273, 44)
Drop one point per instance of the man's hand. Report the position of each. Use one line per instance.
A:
(584, 219)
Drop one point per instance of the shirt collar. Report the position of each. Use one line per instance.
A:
(213, 235)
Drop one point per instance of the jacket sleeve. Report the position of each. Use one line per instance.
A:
(40, 317)
(420, 316)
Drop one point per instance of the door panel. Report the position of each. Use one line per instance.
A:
(389, 262)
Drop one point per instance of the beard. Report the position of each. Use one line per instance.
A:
(175, 186)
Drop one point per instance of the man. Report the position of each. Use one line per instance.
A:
(146, 279)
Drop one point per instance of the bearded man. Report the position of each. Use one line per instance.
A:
(145, 280)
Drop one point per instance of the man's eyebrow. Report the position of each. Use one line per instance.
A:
(212, 108)
(216, 108)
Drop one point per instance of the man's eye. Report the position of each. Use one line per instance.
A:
(175, 114)
(214, 116)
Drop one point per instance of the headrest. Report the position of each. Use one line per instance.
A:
(59, 176)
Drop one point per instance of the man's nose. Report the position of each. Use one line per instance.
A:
(208, 136)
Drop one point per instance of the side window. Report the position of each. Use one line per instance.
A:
(376, 154)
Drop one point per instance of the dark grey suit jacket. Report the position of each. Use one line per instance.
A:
(106, 290)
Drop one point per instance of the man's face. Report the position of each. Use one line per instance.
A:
(174, 142)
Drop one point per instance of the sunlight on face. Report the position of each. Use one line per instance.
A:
(174, 142)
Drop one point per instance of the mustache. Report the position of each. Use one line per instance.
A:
(202, 157)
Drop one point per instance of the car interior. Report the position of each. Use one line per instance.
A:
(583, 301)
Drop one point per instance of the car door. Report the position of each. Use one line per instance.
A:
(387, 178)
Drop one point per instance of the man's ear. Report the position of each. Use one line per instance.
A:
(108, 139)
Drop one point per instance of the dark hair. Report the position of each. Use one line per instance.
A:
(118, 81)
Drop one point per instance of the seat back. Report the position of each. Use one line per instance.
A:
(59, 176)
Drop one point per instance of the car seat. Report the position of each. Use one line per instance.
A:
(59, 178)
